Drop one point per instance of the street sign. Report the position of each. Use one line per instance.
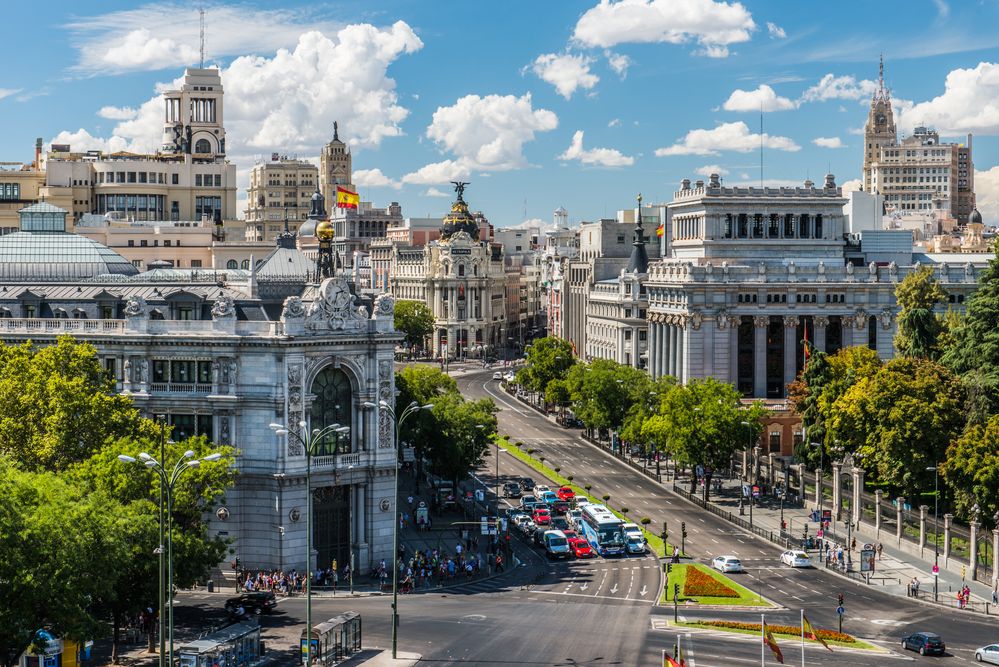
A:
(826, 516)
(867, 559)
(840, 610)
(756, 491)
(487, 525)
(936, 570)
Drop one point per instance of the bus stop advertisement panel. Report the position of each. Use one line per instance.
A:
(333, 640)
(235, 646)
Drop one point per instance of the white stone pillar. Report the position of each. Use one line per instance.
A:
(995, 558)
(948, 519)
(974, 525)
(761, 323)
(837, 490)
(877, 512)
(651, 364)
(820, 323)
(670, 345)
(858, 489)
(922, 527)
(681, 356)
(790, 349)
(899, 506)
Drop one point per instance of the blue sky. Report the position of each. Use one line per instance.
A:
(578, 104)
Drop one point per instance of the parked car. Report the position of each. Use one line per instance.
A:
(727, 564)
(796, 559)
(261, 602)
(527, 483)
(924, 643)
(988, 654)
(556, 544)
(565, 493)
(581, 548)
(511, 490)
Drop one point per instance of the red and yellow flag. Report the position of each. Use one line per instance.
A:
(345, 198)
(809, 632)
(771, 643)
(661, 229)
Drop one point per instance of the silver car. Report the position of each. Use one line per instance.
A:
(727, 564)
(988, 654)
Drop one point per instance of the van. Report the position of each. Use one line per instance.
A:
(556, 544)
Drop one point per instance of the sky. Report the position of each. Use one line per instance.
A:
(581, 104)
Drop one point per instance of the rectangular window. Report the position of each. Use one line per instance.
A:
(142, 177)
(161, 371)
(166, 242)
(185, 313)
(143, 243)
(204, 372)
(218, 180)
(195, 263)
(197, 180)
(174, 179)
(111, 366)
(131, 177)
(182, 371)
(204, 425)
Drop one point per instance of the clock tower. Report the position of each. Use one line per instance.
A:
(879, 131)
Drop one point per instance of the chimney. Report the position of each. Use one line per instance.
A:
(38, 153)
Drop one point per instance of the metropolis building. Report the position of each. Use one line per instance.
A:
(226, 353)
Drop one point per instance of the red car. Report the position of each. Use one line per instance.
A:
(580, 548)
(570, 534)
(542, 517)
(565, 493)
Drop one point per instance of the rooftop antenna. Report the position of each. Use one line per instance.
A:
(201, 11)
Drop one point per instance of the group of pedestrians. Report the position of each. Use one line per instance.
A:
(275, 581)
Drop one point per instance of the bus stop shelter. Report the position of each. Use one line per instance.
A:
(334, 640)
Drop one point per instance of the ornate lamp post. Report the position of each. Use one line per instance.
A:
(310, 442)
(399, 419)
(167, 482)
(936, 529)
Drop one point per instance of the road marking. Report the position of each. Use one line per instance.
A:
(613, 589)
(716, 541)
(644, 591)
(584, 586)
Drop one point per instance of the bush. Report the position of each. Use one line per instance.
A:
(588, 487)
(531, 451)
(606, 497)
(518, 444)
(557, 470)
(701, 584)
(506, 437)
(830, 635)
(624, 510)
(645, 521)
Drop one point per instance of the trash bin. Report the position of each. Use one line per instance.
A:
(211, 585)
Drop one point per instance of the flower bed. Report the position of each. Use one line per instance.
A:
(701, 584)
(794, 630)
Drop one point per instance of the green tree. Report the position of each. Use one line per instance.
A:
(971, 469)
(425, 385)
(804, 395)
(919, 329)
(557, 393)
(58, 406)
(900, 420)
(548, 359)
(466, 430)
(416, 320)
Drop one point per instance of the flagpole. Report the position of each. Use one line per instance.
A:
(802, 638)
(763, 640)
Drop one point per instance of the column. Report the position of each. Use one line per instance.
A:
(790, 348)
(900, 504)
(760, 356)
(670, 347)
(801, 483)
(651, 365)
(837, 490)
(745, 465)
(995, 558)
(877, 512)
(820, 322)
(973, 549)
(662, 341)
(948, 518)
(858, 490)
(818, 488)
(733, 350)
(922, 527)
(681, 356)
(847, 329)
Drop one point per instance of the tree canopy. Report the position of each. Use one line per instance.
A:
(548, 359)
(415, 319)
(971, 469)
(919, 328)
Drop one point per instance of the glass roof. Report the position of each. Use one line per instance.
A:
(57, 256)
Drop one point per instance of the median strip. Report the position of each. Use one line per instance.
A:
(789, 632)
(697, 584)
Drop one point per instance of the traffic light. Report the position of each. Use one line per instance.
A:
(669, 567)
(840, 599)
(676, 592)
(683, 528)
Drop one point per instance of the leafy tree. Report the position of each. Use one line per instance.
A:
(645, 397)
(972, 469)
(919, 329)
(900, 420)
(416, 320)
(804, 395)
(58, 405)
(557, 393)
(548, 359)
(604, 391)
(466, 430)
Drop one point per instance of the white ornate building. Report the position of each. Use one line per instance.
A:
(225, 353)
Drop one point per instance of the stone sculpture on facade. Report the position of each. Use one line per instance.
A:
(223, 308)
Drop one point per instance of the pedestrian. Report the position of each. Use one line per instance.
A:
(880, 549)
(995, 596)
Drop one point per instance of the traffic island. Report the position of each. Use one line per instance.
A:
(787, 632)
(693, 583)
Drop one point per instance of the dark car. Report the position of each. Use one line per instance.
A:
(559, 523)
(262, 602)
(924, 643)
(527, 483)
(511, 490)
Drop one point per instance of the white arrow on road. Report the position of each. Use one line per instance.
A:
(584, 586)
(614, 589)
(643, 591)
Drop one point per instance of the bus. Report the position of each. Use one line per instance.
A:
(602, 529)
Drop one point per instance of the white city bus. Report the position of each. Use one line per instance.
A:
(602, 529)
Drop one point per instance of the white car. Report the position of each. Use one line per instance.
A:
(727, 564)
(574, 516)
(497, 375)
(796, 559)
(510, 376)
(540, 489)
(988, 654)
(632, 530)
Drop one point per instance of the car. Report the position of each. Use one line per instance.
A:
(632, 529)
(727, 564)
(511, 490)
(528, 502)
(528, 527)
(538, 536)
(527, 483)
(795, 559)
(559, 523)
(565, 493)
(574, 517)
(580, 503)
(560, 507)
(260, 602)
(509, 376)
(634, 544)
(924, 643)
(520, 519)
(988, 654)
(581, 548)
(542, 516)
(540, 489)
(497, 375)
(556, 544)
(570, 534)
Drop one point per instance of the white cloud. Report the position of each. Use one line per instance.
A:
(7, 92)
(969, 103)
(117, 113)
(987, 195)
(374, 178)
(483, 133)
(712, 25)
(434, 192)
(605, 157)
(943, 9)
(763, 98)
(566, 72)
(852, 185)
(614, 122)
(776, 32)
(709, 169)
(832, 87)
(828, 142)
(618, 62)
(122, 41)
(726, 137)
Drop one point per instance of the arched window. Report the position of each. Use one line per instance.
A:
(333, 405)
(461, 269)
(202, 146)
(232, 264)
(245, 264)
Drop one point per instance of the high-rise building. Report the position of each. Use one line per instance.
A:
(919, 173)
(334, 169)
(280, 190)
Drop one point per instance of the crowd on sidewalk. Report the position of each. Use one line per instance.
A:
(289, 583)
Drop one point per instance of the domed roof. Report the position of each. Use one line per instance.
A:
(459, 219)
(57, 256)
(975, 217)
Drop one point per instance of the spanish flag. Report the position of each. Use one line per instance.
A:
(345, 198)
(661, 229)
(809, 632)
(771, 643)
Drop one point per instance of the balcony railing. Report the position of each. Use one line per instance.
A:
(60, 325)
(337, 461)
(181, 387)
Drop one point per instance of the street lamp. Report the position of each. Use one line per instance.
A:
(410, 409)
(167, 483)
(311, 441)
(818, 477)
(936, 529)
(745, 474)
